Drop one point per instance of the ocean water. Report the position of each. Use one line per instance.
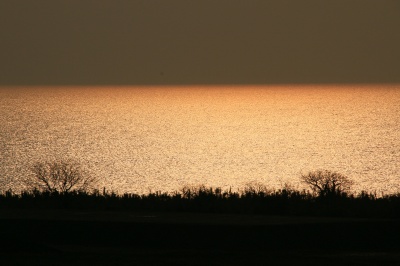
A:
(141, 139)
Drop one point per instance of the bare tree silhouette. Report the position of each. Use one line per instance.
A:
(61, 177)
(326, 183)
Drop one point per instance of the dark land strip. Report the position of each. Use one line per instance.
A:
(49, 237)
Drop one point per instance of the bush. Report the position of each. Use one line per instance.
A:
(59, 177)
(326, 183)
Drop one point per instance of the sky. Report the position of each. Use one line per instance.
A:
(168, 42)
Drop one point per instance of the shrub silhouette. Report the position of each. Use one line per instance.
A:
(59, 177)
(326, 183)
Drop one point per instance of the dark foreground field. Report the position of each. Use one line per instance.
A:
(43, 237)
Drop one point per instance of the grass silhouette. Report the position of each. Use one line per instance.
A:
(202, 199)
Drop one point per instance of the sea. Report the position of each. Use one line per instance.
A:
(141, 139)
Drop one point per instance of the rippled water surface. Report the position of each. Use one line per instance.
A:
(140, 139)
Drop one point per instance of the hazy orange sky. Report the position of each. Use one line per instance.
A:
(127, 42)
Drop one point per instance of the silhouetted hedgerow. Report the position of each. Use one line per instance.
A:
(251, 200)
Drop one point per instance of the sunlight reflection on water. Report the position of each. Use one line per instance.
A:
(141, 139)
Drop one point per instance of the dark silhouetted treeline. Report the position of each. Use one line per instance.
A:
(251, 200)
